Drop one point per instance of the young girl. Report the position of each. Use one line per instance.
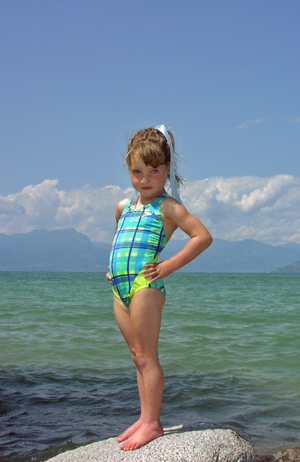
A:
(145, 223)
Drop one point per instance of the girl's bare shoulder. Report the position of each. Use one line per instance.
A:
(170, 207)
(120, 207)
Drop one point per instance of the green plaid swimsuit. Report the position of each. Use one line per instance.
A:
(139, 240)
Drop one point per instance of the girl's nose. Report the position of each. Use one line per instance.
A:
(144, 179)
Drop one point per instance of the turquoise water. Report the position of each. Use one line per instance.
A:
(229, 348)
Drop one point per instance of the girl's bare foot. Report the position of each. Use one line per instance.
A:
(130, 430)
(143, 435)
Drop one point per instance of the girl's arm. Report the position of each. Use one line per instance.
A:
(200, 239)
(119, 210)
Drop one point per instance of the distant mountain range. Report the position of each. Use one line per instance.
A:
(41, 250)
(68, 250)
(293, 268)
(248, 256)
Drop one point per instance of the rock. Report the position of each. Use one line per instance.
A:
(199, 443)
(290, 455)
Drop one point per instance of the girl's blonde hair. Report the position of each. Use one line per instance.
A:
(151, 146)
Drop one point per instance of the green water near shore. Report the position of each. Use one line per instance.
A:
(229, 348)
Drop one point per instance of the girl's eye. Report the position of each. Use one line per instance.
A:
(136, 172)
(154, 171)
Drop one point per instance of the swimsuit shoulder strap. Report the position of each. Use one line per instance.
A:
(154, 207)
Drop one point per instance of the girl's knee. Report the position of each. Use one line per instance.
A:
(144, 361)
(133, 356)
(141, 361)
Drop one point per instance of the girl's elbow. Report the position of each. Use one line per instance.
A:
(204, 241)
(208, 240)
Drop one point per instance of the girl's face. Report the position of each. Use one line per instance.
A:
(148, 181)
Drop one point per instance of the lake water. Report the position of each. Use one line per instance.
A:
(229, 348)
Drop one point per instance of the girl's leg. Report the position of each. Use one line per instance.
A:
(123, 319)
(145, 316)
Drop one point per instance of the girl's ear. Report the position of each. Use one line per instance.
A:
(168, 165)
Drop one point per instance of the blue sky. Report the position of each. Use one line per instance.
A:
(78, 77)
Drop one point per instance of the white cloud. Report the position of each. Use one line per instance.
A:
(294, 120)
(87, 210)
(248, 123)
(266, 209)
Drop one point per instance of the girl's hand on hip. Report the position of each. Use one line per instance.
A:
(108, 276)
(157, 270)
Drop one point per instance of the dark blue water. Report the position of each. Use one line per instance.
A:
(229, 348)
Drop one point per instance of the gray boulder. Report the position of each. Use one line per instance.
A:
(290, 455)
(200, 443)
